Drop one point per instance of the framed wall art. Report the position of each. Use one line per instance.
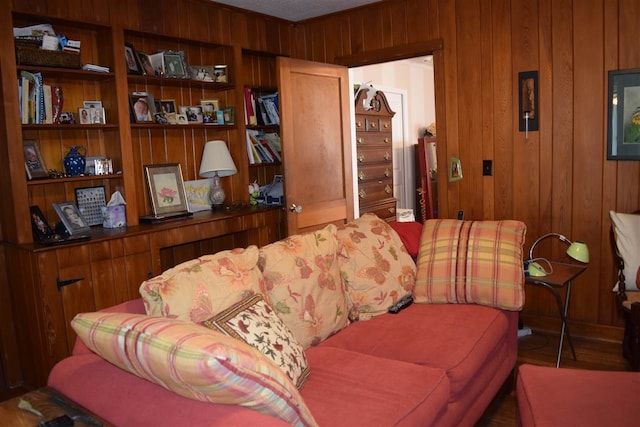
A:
(623, 102)
(528, 114)
(166, 188)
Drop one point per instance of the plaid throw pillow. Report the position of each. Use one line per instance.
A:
(471, 262)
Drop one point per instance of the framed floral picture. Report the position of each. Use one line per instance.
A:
(166, 189)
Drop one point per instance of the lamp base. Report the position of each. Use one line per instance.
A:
(217, 207)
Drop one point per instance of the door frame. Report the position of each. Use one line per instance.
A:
(431, 47)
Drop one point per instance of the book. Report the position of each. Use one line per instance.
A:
(249, 107)
(270, 103)
(48, 108)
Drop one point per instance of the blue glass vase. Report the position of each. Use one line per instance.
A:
(74, 161)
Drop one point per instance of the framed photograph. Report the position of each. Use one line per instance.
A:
(97, 116)
(166, 188)
(39, 225)
(141, 108)
(67, 118)
(157, 62)
(33, 161)
(133, 66)
(455, 169)
(528, 114)
(209, 108)
(623, 133)
(168, 106)
(181, 119)
(174, 64)
(71, 217)
(229, 115)
(145, 64)
(90, 201)
(198, 194)
(85, 116)
(92, 104)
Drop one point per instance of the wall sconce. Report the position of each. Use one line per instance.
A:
(216, 162)
(577, 250)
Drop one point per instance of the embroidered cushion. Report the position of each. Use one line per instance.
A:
(303, 284)
(253, 321)
(626, 228)
(376, 268)
(193, 361)
(471, 262)
(200, 288)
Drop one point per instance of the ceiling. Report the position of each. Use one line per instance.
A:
(296, 10)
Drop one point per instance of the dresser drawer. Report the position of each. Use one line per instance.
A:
(369, 138)
(375, 190)
(375, 172)
(384, 209)
(368, 155)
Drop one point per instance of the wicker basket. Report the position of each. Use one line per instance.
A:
(29, 53)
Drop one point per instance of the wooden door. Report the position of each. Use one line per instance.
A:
(316, 143)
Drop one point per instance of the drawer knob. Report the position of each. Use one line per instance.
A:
(359, 140)
(387, 140)
(387, 173)
(386, 125)
(387, 189)
(373, 125)
(387, 155)
(361, 175)
(361, 157)
(358, 124)
(362, 194)
(392, 210)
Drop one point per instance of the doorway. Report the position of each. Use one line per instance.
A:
(408, 85)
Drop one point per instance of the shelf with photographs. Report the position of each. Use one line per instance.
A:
(66, 98)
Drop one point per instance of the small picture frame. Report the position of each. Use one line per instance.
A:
(131, 59)
(84, 115)
(166, 188)
(455, 169)
(168, 106)
(528, 101)
(92, 104)
(141, 108)
(39, 225)
(90, 201)
(623, 123)
(229, 115)
(97, 116)
(181, 119)
(67, 118)
(174, 64)
(197, 192)
(193, 113)
(157, 62)
(145, 64)
(71, 217)
(33, 161)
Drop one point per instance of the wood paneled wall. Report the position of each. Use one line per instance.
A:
(559, 178)
(556, 180)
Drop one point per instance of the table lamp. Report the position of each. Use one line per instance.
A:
(577, 250)
(216, 162)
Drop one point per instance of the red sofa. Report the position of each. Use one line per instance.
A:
(427, 365)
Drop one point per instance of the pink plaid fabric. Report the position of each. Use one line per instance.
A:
(471, 262)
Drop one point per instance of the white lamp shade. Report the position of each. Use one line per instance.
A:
(216, 159)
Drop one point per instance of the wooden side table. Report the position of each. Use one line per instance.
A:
(562, 276)
(50, 404)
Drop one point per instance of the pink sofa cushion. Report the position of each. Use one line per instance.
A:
(576, 397)
(124, 399)
(471, 262)
(459, 339)
(353, 389)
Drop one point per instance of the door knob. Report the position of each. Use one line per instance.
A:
(295, 208)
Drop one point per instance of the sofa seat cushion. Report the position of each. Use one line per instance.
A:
(461, 339)
(126, 400)
(354, 389)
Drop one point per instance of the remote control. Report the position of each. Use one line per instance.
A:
(402, 303)
(62, 421)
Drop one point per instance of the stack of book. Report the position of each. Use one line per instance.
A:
(263, 147)
(261, 110)
(38, 101)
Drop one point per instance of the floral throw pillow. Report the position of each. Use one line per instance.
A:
(253, 321)
(200, 288)
(376, 268)
(303, 284)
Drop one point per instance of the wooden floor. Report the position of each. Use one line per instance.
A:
(542, 349)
